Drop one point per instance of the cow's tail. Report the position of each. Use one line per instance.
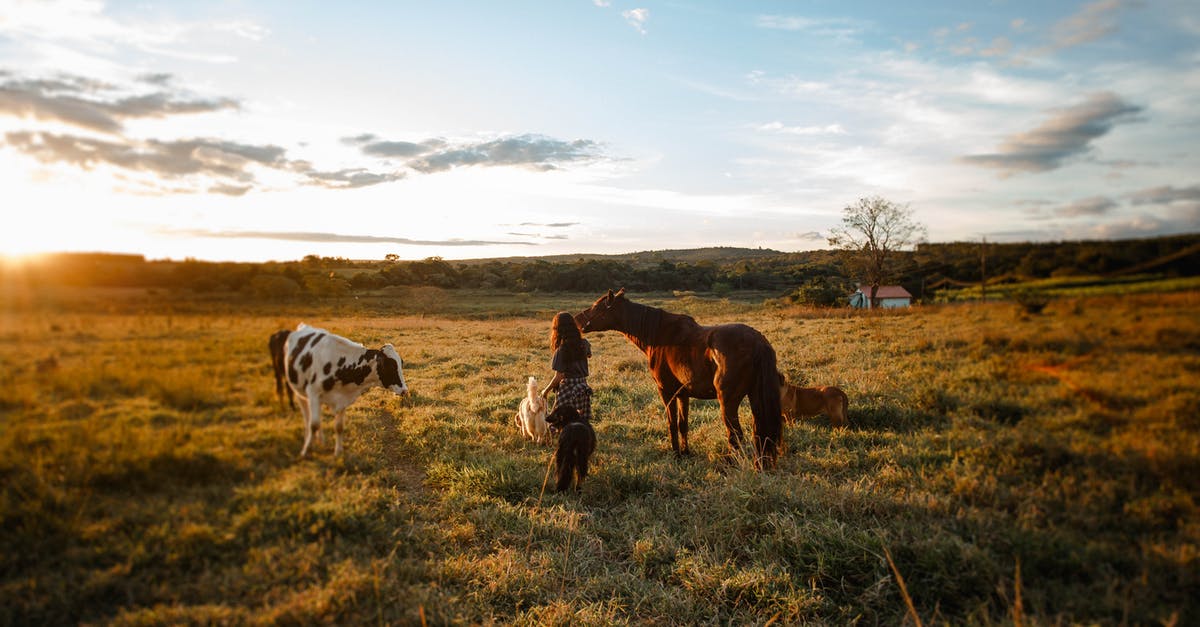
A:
(765, 405)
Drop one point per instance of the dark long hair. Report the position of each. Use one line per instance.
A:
(565, 333)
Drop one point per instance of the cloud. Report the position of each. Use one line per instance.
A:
(1165, 195)
(350, 178)
(306, 236)
(203, 164)
(1092, 22)
(159, 79)
(438, 155)
(810, 236)
(219, 166)
(168, 159)
(395, 149)
(230, 190)
(1094, 206)
(84, 23)
(1177, 223)
(528, 151)
(1001, 47)
(95, 105)
(544, 225)
(778, 127)
(1068, 133)
(637, 18)
(537, 235)
(375, 147)
(842, 29)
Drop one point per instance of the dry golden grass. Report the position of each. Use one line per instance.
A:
(149, 475)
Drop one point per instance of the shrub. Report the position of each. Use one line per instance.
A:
(273, 286)
(1031, 301)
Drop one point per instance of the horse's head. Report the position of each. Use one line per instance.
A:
(604, 315)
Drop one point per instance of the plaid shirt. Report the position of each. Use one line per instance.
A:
(574, 391)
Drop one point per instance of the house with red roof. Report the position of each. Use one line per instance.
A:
(888, 297)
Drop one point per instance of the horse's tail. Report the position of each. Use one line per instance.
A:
(765, 404)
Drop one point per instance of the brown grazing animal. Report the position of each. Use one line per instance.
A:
(576, 443)
(727, 362)
(798, 402)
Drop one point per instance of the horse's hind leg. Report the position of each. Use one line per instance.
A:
(733, 426)
(841, 407)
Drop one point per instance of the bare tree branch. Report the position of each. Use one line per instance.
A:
(872, 230)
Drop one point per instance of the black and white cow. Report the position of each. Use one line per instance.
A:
(329, 370)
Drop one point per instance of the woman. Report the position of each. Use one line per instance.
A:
(570, 366)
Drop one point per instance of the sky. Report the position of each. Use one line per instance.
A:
(258, 131)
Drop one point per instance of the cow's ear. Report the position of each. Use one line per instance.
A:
(620, 292)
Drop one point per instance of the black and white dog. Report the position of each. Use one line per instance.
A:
(576, 443)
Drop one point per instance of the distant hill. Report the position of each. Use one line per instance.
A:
(816, 276)
(712, 254)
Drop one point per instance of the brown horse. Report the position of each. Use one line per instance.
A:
(798, 402)
(727, 362)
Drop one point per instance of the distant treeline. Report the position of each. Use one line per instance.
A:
(815, 277)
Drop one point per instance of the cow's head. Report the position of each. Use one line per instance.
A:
(391, 370)
(604, 315)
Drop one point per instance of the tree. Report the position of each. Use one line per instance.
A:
(873, 230)
(273, 286)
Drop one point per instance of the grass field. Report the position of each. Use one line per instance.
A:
(1012, 469)
(1076, 287)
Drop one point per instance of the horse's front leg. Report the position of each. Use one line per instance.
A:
(681, 411)
(672, 419)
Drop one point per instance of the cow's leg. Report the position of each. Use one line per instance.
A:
(337, 433)
(312, 423)
(681, 407)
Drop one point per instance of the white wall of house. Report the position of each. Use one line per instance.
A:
(860, 300)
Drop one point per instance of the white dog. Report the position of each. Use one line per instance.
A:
(531, 415)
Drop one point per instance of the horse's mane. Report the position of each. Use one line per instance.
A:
(646, 323)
